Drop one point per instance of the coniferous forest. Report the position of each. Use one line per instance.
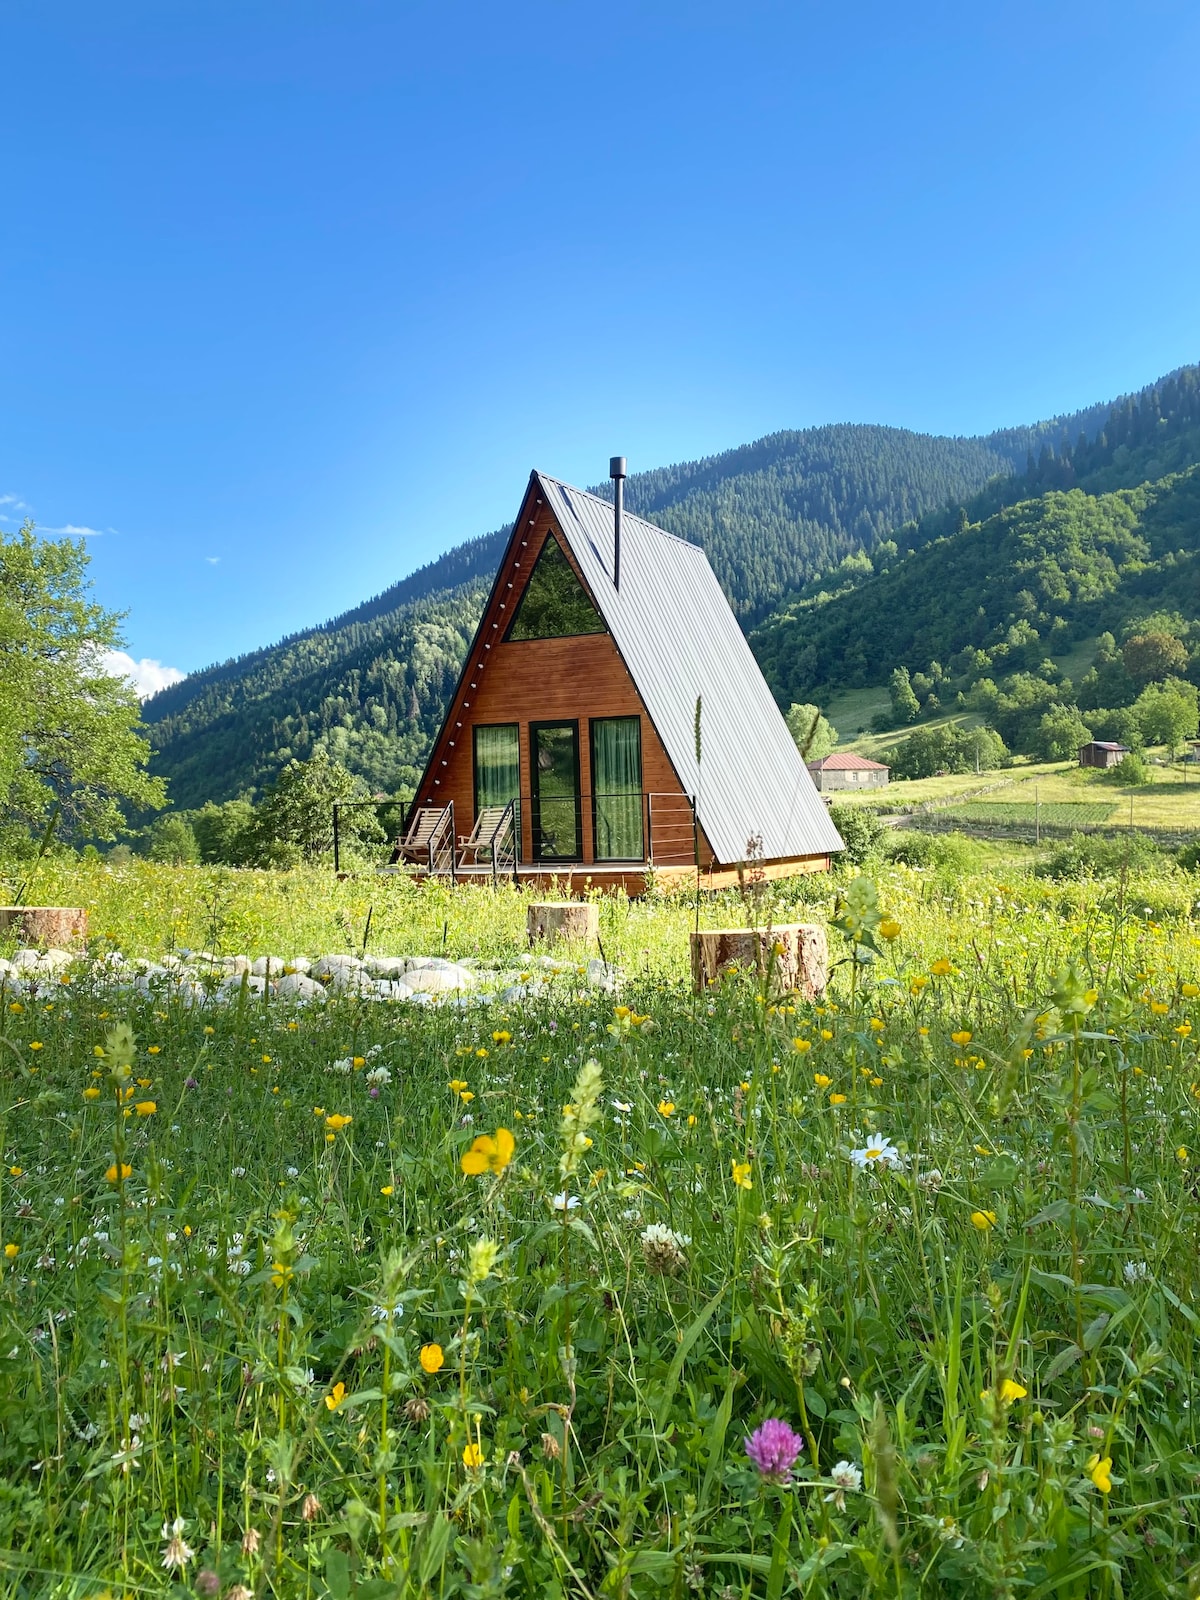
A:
(848, 552)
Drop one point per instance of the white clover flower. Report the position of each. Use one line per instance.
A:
(1135, 1272)
(344, 1066)
(178, 1552)
(238, 1172)
(663, 1248)
(379, 1076)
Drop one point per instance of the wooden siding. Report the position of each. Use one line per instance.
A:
(543, 680)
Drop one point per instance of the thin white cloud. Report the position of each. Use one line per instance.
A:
(14, 501)
(147, 676)
(70, 531)
(212, 560)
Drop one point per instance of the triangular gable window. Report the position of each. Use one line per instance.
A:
(555, 604)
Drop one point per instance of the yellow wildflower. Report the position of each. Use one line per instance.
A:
(338, 1121)
(472, 1456)
(335, 1396)
(963, 1036)
(488, 1154)
(1099, 1470)
(666, 1108)
(117, 1174)
(889, 928)
(821, 1080)
(741, 1174)
(837, 1099)
(984, 1220)
(146, 1108)
(432, 1358)
(801, 1046)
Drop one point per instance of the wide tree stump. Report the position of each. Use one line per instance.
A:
(795, 955)
(575, 920)
(47, 927)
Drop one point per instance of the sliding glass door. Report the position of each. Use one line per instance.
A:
(557, 830)
(617, 786)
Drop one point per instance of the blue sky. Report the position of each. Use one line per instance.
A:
(293, 295)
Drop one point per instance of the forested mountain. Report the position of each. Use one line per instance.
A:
(370, 686)
(1084, 555)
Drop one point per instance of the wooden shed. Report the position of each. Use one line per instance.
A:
(570, 747)
(1102, 753)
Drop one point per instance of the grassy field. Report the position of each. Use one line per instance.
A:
(377, 1299)
(1170, 802)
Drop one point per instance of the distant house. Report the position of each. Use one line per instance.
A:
(1102, 753)
(844, 770)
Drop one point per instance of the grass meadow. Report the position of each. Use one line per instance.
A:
(371, 1299)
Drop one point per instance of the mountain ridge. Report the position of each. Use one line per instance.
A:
(773, 515)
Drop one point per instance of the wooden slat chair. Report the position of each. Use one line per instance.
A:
(414, 846)
(476, 846)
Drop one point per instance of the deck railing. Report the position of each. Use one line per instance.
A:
(659, 827)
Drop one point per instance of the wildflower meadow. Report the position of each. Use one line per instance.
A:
(576, 1282)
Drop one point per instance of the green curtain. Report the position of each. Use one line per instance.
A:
(497, 765)
(617, 786)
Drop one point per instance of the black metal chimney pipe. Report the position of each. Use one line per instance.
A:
(616, 471)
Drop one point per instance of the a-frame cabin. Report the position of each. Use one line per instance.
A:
(569, 750)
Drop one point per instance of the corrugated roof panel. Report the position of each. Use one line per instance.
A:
(680, 640)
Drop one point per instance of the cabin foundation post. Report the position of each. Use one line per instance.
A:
(796, 956)
(546, 922)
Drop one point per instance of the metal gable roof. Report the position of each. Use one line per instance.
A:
(845, 761)
(679, 638)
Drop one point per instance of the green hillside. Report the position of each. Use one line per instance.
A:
(1017, 590)
(812, 514)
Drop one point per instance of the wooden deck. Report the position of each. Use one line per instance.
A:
(570, 879)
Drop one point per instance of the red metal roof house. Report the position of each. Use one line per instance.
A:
(844, 770)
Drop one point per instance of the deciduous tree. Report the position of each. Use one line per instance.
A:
(69, 730)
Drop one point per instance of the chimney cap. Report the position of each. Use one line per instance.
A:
(616, 466)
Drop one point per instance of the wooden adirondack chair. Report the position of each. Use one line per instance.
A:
(477, 845)
(414, 845)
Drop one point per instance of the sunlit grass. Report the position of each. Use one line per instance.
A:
(386, 1300)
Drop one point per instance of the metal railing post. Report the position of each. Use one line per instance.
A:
(337, 855)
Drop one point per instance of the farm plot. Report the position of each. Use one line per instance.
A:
(1027, 813)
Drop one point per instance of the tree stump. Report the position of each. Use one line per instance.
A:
(575, 920)
(796, 955)
(47, 927)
